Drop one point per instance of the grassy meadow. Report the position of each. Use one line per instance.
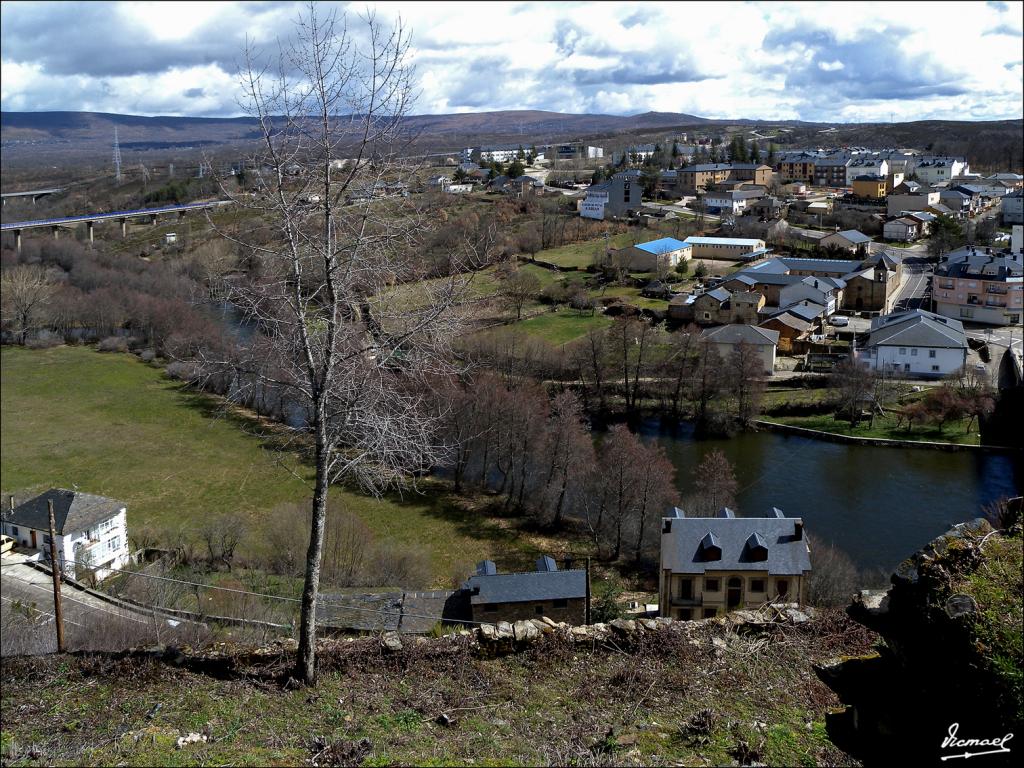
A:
(114, 426)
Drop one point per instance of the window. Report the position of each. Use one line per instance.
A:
(539, 610)
(490, 608)
(712, 585)
(935, 368)
(685, 614)
(782, 587)
(114, 543)
(757, 585)
(931, 353)
(710, 613)
(14, 530)
(964, 312)
(913, 352)
(46, 539)
(686, 589)
(563, 603)
(903, 350)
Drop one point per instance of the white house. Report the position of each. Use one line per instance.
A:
(904, 229)
(92, 531)
(915, 343)
(726, 338)
(734, 201)
(932, 170)
(866, 165)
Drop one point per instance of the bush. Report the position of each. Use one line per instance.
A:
(683, 267)
(554, 294)
(42, 340)
(113, 344)
(402, 566)
(181, 372)
(147, 355)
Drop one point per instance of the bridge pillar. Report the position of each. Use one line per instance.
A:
(152, 219)
(88, 226)
(124, 227)
(56, 233)
(17, 240)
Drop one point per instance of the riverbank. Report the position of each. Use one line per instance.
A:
(838, 437)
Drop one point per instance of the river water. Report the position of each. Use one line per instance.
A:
(877, 504)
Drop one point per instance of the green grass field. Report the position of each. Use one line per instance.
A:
(115, 426)
(581, 255)
(885, 428)
(564, 326)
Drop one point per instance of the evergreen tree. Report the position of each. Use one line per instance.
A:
(515, 169)
(771, 152)
(521, 154)
(755, 152)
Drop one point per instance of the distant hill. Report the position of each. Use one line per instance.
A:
(25, 135)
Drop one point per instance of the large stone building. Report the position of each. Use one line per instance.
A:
(710, 566)
(694, 179)
(980, 286)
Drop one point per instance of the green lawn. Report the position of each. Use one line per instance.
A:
(564, 326)
(581, 255)
(885, 428)
(117, 427)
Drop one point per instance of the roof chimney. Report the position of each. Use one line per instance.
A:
(798, 529)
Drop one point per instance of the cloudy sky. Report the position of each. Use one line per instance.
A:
(842, 62)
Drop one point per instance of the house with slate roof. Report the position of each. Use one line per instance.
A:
(726, 338)
(92, 531)
(545, 591)
(848, 240)
(915, 343)
(712, 565)
(980, 285)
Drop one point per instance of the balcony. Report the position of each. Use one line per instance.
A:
(687, 602)
(994, 303)
(995, 289)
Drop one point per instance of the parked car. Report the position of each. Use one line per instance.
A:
(840, 322)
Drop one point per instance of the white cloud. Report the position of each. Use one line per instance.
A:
(711, 59)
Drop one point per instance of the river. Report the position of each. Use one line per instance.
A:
(877, 504)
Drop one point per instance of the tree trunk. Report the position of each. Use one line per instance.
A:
(306, 664)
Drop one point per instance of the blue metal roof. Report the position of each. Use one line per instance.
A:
(664, 245)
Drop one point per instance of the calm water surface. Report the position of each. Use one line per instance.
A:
(878, 504)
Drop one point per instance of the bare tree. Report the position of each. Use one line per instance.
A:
(26, 292)
(744, 378)
(357, 357)
(853, 387)
(222, 535)
(518, 288)
(834, 578)
(715, 482)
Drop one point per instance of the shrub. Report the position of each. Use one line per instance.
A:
(42, 340)
(147, 355)
(113, 344)
(554, 294)
(181, 372)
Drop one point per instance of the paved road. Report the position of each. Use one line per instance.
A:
(915, 293)
(26, 604)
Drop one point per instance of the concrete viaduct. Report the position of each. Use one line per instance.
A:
(35, 194)
(90, 219)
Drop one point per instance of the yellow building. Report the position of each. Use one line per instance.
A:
(712, 565)
(873, 187)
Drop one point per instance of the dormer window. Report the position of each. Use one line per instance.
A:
(710, 548)
(757, 547)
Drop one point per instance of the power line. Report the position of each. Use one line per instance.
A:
(399, 613)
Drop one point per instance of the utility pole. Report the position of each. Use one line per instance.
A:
(586, 617)
(58, 615)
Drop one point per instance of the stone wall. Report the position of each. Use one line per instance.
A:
(573, 613)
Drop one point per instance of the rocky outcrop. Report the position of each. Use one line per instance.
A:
(929, 673)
